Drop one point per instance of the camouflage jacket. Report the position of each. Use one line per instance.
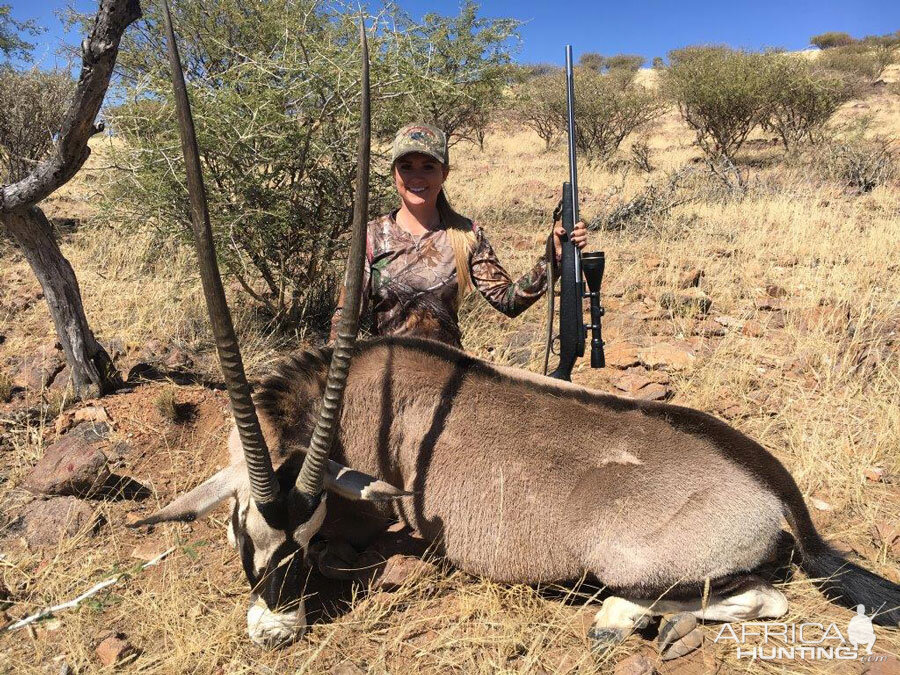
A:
(410, 284)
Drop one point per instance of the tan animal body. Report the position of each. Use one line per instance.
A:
(522, 478)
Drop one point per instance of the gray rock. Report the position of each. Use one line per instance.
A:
(47, 523)
(71, 466)
(90, 431)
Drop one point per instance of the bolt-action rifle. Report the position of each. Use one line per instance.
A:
(575, 267)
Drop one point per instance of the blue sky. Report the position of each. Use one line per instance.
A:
(648, 28)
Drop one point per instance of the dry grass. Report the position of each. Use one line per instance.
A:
(822, 393)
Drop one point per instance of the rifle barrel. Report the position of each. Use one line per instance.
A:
(573, 164)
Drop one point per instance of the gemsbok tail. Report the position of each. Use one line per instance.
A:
(839, 579)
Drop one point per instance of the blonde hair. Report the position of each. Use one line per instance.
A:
(462, 238)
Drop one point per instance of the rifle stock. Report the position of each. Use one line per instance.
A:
(571, 325)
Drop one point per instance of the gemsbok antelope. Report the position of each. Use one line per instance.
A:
(669, 508)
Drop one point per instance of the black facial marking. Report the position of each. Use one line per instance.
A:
(280, 583)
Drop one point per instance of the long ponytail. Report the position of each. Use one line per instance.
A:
(462, 239)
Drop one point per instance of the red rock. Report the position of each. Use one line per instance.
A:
(729, 321)
(670, 355)
(653, 392)
(148, 550)
(875, 474)
(622, 355)
(887, 534)
(37, 370)
(49, 522)
(753, 328)
(60, 381)
(775, 291)
(886, 665)
(709, 327)
(401, 569)
(631, 381)
(769, 304)
(114, 650)
(636, 664)
(64, 423)
(92, 413)
(71, 466)
(691, 278)
(828, 319)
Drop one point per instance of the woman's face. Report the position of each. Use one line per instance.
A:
(418, 178)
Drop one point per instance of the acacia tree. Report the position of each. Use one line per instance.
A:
(454, 69)
(11, 42)
(274, 92)
(91, 368)
(539, 104)
(721, 93)
(606, 112)
(801, 98)
(33, 103)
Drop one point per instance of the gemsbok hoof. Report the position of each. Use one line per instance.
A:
(679, 634)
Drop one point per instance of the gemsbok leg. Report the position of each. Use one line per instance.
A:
(754, 598)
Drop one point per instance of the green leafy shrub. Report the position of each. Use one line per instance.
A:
(720, 93)
(620, 67)
(865, 61)
(607, 112)
(539, 104)
(831, 39)
(592, 60)
(11, 43)
(454, 68)
(801, 98)
(629, 62)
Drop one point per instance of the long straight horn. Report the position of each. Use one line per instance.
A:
(312, 475)
(263, 486)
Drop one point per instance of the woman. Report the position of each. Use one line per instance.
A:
(422, 258)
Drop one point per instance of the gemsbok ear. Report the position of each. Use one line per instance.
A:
(198, 501)
(359, 486)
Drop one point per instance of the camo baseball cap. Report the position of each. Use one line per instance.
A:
(422, 138)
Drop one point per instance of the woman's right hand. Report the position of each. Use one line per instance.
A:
(579, 237)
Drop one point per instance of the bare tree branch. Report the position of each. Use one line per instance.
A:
(98, 56)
